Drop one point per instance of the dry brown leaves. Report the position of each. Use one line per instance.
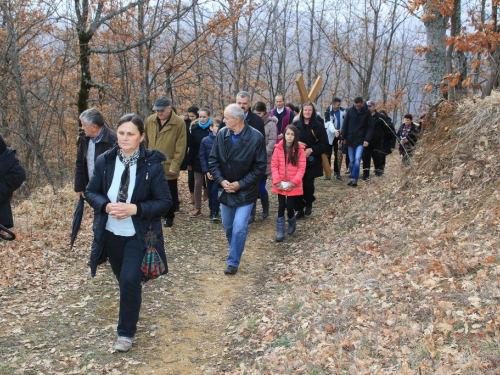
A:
(403, 277)
(399, 276)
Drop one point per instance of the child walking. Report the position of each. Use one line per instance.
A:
(288, 166)
(212, 188)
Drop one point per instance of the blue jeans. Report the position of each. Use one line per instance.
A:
(235, 222)
(355, 153)
(213, 201)
(125, 256)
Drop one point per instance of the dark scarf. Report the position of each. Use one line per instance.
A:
(125, 180)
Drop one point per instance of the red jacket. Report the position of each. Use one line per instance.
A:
(292, 173)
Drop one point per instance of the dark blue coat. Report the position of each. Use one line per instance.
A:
(151, 195)
(12, 175)
(245, 162)
(205, 149)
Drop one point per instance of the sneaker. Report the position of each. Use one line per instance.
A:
(366, 178)
(169, 223)
(211, 216)
(123, 344)
(231, 270)
(337, 176)
(215, 217)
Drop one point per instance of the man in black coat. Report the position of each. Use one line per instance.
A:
(376, 147)
(357, 130)
(12, 175)
(284, 115)
(255, 121)
(97, 140)
(237, 163)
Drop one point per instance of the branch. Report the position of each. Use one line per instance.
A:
(99, 21)
(142, 41)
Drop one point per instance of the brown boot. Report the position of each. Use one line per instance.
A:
(191, 199)
(196, 212)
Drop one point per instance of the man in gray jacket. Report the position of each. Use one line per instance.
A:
(237, 163)
(97, 140)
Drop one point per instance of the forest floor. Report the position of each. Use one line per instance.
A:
(397, 276)
(56, 319)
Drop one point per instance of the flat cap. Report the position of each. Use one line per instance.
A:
(161, 103)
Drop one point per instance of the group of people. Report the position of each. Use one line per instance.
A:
(130, 177)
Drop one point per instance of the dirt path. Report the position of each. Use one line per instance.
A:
(58, 320)
(202, 301)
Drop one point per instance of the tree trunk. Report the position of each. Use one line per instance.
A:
(435, 65)
(493, 59)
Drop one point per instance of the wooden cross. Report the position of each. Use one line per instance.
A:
(313, 94)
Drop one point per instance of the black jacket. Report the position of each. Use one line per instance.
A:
(357, 127)
(107, 141)
(379, 128)
(195, 136)
(315, 138)
(245, 162)
(411, 136)
(151, 195)
(12, 175)
(390, 136)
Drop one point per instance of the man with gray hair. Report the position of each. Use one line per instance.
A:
(237, 163)
(243, 101)
(98, 139)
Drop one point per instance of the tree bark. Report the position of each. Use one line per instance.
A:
(435, 57)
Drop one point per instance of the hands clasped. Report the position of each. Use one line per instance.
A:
(285, 185)
(121, 210)
(230, 187)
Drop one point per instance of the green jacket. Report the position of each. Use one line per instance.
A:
(171, 140)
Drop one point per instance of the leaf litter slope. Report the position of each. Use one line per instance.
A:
(403, 277)
(397, 276)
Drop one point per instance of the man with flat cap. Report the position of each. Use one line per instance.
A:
(166, 132)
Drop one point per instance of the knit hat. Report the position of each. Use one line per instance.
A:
(3, 146)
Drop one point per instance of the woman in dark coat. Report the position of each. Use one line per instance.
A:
(192, 116)
(12, 175)
(407, 137)
(199, 130)
(129, 193)
(315, 140)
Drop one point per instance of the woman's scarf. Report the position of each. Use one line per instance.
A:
(125, 180)
(206, 125)
(406, 130)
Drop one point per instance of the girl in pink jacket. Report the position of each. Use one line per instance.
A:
(288, 166)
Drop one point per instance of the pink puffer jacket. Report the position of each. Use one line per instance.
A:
(292, 173)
